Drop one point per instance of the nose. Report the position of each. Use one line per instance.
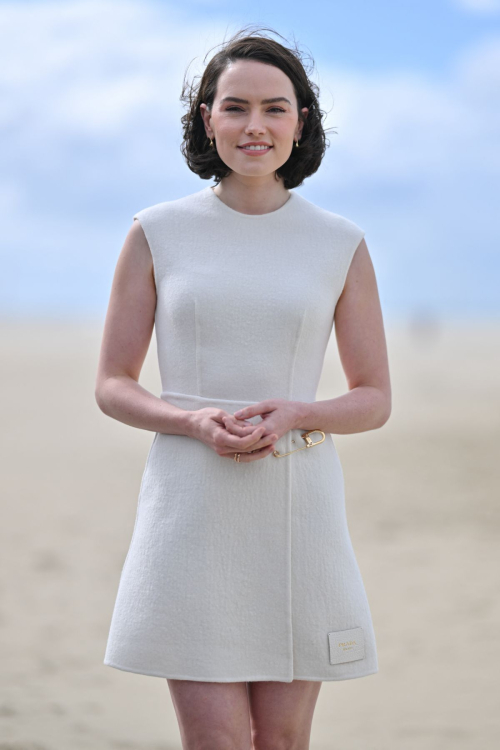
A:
(255, 125)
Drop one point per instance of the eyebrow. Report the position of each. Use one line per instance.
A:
(264, 101)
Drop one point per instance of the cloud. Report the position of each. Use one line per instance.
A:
(479, 6)
(108, 76)
(90, 120)
(396, 124)
(418, 156)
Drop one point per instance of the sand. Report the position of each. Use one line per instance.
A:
(422, 503)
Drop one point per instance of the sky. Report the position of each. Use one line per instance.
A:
(90, 134)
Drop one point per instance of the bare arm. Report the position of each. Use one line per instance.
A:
(127, 334)
(359, 330)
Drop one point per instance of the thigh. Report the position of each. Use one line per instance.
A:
(212, 714)
(281, 713)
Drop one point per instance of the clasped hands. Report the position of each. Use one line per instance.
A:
(228, 434)
(257, 441)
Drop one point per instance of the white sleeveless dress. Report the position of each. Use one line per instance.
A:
(243, 571)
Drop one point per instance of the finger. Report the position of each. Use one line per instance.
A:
(251, 443)
(254, 455)
(230, 441)
(232, 418)
(262, 442)
(238, 427)
(248, 411)
(262, 407)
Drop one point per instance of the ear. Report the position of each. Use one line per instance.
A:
(305, 112)
(205, 114)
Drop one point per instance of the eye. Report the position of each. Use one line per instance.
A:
(238, 109)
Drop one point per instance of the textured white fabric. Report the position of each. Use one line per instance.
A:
(239, 572)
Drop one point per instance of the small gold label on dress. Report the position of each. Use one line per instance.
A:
(346, 645)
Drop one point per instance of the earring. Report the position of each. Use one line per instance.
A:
(211, 143)
(296, 144)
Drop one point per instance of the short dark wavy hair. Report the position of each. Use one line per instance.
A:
(204, 160)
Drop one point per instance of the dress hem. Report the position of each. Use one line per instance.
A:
(260, 678)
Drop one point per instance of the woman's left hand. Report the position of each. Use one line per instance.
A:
(278, 414)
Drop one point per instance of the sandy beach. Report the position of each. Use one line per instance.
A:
(422, 498)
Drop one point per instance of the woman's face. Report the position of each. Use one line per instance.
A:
(241, 115)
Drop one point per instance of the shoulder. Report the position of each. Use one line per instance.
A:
(341, 225)
(173, 208)
(163, 224)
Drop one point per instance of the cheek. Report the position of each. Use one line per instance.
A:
(287, 128)
(228, 131)
(283, 133)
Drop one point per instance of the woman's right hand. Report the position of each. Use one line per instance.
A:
(209, 427)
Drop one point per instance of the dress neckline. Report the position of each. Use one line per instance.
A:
(278, 211)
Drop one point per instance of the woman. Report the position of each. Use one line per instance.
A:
(240, 586)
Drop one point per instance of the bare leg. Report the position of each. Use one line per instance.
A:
(281, 713)
(212, 715)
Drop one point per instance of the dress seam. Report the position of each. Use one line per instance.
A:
(289, 480)
(197, 347)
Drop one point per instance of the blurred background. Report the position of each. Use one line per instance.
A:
(90, 134)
